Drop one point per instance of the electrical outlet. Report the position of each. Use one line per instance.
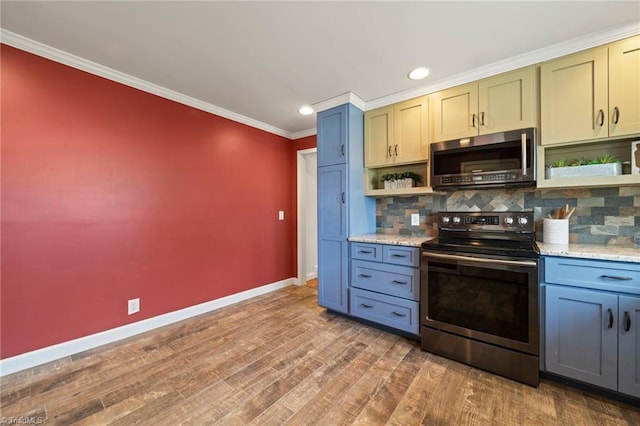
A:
(281, 215)
(133, 306)
(415, 219)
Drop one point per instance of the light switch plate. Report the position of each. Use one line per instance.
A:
(281, 215)
(415, 219)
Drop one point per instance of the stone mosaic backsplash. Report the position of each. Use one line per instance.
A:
(602, 216)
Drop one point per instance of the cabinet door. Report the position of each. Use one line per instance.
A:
(378, 136)
(333, 292)
(624, 87)
(332, 211)
(508, 101)
(332, 238)
(581, 335)
(411, 130)
(629, 345)
(332, 136)
(454, 113)
(574, 98)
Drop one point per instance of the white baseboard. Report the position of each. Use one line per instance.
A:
(61, 350)
(311, 276)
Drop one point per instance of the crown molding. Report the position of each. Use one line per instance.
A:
(60, 56)
(530, 58)
(303, 133)
(345, 98)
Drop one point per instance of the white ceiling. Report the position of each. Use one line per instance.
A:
(263, 60)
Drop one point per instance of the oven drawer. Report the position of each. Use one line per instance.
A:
(387, 310)
(366, 251)
(595, 274)
(401, 281)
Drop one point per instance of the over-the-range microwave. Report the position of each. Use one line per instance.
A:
(496, 160)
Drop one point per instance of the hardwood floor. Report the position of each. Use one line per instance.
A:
(280, 359)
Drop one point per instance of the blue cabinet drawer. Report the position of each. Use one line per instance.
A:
(366, 251)
(595, 274)
(391, 311)
(395, 280)
(401, 255)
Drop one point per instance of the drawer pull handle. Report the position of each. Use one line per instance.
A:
(398, 255)
(627, 321)
(616, 277)
(365, 251)
(399, 282)
(610, 318)
(397, 314)
(342, 149)
(364, 305)
(365, 275)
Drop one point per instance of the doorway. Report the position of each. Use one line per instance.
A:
(307, 215)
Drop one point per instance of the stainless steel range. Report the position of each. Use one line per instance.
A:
(479, 285)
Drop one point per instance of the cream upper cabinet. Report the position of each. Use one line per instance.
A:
(624, 87)
(410, 130)
(378, 136)
(508, 101)
(593, 94)
(453, 113)
(574, 97)
(397, 134)
(504, 102)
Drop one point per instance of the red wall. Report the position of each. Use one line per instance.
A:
(110, 193)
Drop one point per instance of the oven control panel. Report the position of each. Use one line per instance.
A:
(487, 221)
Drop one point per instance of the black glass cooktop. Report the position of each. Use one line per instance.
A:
(497, 247)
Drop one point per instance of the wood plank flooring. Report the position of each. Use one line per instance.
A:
(279, 359)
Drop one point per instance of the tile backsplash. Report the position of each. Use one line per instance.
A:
(602, 216)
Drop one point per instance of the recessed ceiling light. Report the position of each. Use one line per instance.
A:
(419, 73)
(306, 110)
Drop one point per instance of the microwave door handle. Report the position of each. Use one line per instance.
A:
(524, 153)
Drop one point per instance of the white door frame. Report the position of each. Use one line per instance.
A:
(302, 273)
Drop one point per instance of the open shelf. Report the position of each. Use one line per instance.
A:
(618, 148)
(375, 187)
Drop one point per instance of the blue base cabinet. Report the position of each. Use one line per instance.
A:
(385, 285)
(629, 345)
(592, 322)
(343, 209)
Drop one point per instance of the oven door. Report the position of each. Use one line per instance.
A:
(489, 299)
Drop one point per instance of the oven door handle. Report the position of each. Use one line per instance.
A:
(480, 259)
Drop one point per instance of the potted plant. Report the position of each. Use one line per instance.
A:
(605, 165)
(400, 180)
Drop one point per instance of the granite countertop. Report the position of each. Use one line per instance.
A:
(626, 253)
(398, 240)
(622, 253)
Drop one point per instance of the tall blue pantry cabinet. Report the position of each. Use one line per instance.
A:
(343, 210)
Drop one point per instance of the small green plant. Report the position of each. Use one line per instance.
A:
(404, 175)
(603, 159)
(579, 162)
(606, 159)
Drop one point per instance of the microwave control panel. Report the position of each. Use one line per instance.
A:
(489, 177)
